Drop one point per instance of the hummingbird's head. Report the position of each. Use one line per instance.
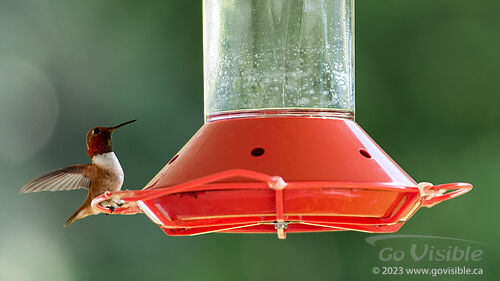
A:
(99, 139)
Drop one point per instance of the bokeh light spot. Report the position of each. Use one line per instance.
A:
(28, 109)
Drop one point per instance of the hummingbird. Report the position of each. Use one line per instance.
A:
(104, 174)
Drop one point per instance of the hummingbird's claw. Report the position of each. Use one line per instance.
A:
(112, 209)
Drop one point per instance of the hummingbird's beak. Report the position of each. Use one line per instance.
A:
(122, 124)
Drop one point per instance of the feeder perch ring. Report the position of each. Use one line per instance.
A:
(115, 199)
(173, 223)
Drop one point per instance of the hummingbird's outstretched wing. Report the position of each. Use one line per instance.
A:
(69, 178)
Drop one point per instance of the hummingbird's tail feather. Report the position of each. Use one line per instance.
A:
(85, 210)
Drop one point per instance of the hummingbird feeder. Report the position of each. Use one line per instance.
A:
(280, 150)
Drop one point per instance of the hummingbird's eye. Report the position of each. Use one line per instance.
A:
(96, 131)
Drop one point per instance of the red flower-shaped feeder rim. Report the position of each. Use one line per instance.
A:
(269, 204)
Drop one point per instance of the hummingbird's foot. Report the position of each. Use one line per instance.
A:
(110, 205)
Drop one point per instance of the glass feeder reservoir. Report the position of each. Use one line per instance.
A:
(279, 150)
(291, 56)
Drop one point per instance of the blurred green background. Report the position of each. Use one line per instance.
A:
(427, 87)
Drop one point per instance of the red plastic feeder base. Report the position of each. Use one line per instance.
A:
(281, 174)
